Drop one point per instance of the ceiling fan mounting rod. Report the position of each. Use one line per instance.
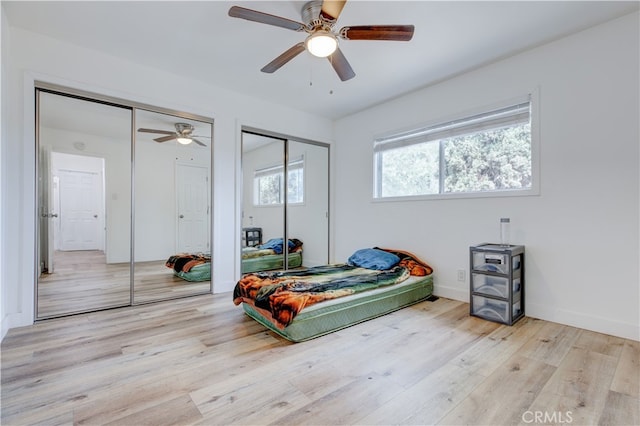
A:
(184, 128)
(313, 19)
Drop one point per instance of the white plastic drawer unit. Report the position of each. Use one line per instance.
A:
(497, 282)
(494, 309)
(493, 285)
(494, 262)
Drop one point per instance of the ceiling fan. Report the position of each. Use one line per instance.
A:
(319, 19)
(183, 134)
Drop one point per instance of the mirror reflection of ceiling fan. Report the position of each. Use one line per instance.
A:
(183, 134)
(319, 18)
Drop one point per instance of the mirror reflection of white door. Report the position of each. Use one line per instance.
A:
(80, 210)
(192, 183)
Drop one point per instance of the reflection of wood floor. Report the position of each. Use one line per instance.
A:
(83, 281)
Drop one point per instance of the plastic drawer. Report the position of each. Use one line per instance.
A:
(495, 262)
(490, 285)
(490, 262)
(494, 286)
(495, 310)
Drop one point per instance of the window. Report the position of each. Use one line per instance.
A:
(268, 184)
(487, 152)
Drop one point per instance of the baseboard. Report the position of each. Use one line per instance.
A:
(223, 286)
(561, 316)
(15, 320)
(587, 322)
(451, 292)
(5, 327)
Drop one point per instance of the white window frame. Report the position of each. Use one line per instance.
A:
(418, 132)
(295, 164)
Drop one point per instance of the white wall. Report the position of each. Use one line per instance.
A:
(4, 54)
(581, 233)
(32, 57)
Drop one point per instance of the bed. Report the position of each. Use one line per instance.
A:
(257, 259)
(195, 267)
(310, 302)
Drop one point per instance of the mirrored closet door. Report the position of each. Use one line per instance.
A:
(262, 200)
(308, 206)
(172, 208)
(102, 164)
(84, 205)
(285, 198)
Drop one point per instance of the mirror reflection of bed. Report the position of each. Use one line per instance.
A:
(269, 255)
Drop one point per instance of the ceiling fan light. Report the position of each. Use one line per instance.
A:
(184, 141)
(321, 43)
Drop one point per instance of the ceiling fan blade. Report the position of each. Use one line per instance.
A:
(283, 58)
(166, 138)
(378, 32)
(265, 18)
(198, 142)
(341, 65)
(162, 132)
(331, 10)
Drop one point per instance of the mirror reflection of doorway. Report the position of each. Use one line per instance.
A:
(78, 195)
(193, 208)
(84, 239)
(88, 151)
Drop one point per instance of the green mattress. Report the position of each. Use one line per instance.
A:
(269, 262)
(197, 273)
(336, 314)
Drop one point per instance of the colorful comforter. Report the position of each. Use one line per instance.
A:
(283, 294)
(184, 262)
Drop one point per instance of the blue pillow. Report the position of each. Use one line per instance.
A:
(373, 259)
(276, 245)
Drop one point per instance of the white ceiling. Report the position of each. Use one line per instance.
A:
(200, 41)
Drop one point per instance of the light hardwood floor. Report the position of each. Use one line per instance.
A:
(83, 281)
(201, 361)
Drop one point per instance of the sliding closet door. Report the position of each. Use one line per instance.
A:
(263, 199)
(84, 205)
(172, 208)
(308, 200)
(285, 195)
